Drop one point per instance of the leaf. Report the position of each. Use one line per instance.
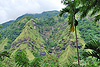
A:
(97, 18)
(63, 11)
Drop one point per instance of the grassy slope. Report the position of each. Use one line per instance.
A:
(13, 31)
(68, 55)
(29, 40)
(64, 38)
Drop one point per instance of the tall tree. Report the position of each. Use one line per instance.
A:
(90, 5)
(72, 7)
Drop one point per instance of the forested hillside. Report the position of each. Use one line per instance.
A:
(44, 40)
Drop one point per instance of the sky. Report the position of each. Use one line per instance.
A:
(11, 9)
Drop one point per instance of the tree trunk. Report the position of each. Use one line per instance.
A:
(77, 47)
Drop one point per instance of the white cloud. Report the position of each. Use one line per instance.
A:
(11, 9)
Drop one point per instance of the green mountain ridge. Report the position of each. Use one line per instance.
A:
(6, 24)
(13, 31)
(44, 15)
(34, 38)
(40, 37)
(64, 38)
(30, 40)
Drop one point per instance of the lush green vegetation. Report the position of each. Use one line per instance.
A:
(13, 31)
(45, 40)
(21, 58)
(94, 45)
(44, 15)
(72, 9)
(88, 30)
(6, 24)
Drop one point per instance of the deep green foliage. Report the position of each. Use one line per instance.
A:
(36, 62)
(50, 43)
(88, 30)
(35, 54)
(4, 54)
(50, 22)
(71, 8)
(90, 5)
(94, 45)
(21, 58)
(1, 26)
(12, 31)
(8, 45)
(6, 24)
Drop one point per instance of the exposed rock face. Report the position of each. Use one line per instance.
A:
(79, 46)
(34, 27)
(65, 44)
(30, 27)
(42, 53)
(72, 43)
(41, 45)
(19, 41)
(62, 49)
(58, 54)
(18, 45)
(12, 49)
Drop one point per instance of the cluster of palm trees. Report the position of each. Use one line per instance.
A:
(83, 7)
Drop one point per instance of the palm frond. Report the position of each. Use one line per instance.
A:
(63, 11)
(96, 9)
(87, 6)
(65, 2)
(86, 54)
(97, 18)
(84, 11)
(94, 45)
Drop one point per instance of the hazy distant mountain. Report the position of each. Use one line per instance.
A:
(45, 15)
(6, 24)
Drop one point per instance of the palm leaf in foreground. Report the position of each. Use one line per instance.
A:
(94, 45)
